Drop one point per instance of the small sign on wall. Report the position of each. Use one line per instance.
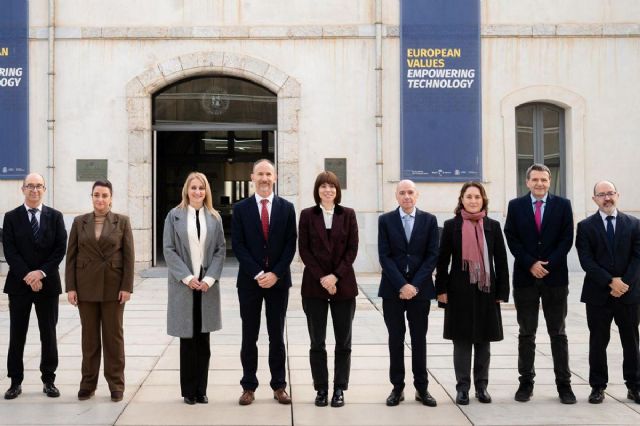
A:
(91, 170)
(339, 167)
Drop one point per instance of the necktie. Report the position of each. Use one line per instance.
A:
(198, 224)
(538, 215)
(264, 218)
(35, 227)
(610, 232)
(407, 227)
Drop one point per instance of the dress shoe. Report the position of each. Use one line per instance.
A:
(394, 398)
(337, 400)
(426, 398)
(51, 390)
(524, 392)
(281, 396)
(483, 396)
(247, 397)
(189, 400)
(634, 395)
(566, 395)
(596, 396)
(462, 398)
(13, 392)
(202, 399)
(322, 398)
(116, 396)
(84, 394)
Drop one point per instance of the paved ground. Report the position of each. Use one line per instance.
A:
(152, 396)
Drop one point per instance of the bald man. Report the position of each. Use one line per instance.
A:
(608, 244)
(408, 252)
(34, 241)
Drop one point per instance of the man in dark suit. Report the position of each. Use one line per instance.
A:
(34, 244)
(539, 231)
(408, 252)
(264, 241)
(608, 244)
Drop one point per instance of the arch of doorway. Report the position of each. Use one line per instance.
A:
(139, 91)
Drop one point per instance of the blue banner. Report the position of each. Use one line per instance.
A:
(14, 89)
(441, 136)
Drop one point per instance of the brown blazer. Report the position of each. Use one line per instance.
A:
(99, 269)
(323, 256)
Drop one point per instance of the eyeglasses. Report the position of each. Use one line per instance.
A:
(31, 187)
(609, 194)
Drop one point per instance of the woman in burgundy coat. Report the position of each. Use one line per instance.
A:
(328, 245)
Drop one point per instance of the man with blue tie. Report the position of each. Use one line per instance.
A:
(34, 241)
(408, 252)
(539, 232)
(608, 244)
(264, 241)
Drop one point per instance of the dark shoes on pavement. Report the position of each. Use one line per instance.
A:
(281, 396)
(394, 398)
(322, 398)
(116, 396)
(596, 396)
(524, 392)
(426, 398)
(189, 400)
(247, 397)
(483, 396)
(201, 399)
(634, 395)
(566, 395)
(50, 390)
(337, 400)
(462, 398)
(84, 394)
(13, 392)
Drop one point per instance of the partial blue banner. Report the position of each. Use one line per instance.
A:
(14, 89)
(441, 115)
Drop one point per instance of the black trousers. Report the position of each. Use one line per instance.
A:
(275, 301)
(554, 307)
(19, 313)
(195, 354)
(417, 313)
(599, 321)
(462, 364)
(342, 312)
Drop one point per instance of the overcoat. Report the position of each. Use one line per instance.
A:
(470, 314)
(175, 242)
(99, 269)
(323, 254)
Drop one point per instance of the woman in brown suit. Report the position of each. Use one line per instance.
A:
(99, 281)
(328, 245)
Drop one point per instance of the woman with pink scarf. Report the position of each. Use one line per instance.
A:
(472, 280)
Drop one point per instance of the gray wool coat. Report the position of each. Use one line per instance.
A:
(175, 242)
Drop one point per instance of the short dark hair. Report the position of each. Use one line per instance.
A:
(331, 179)
(104, 183)
(483, 194)
(538, 168)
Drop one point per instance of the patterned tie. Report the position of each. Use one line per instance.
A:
(610, 231)
(407, 227)
(35, 228)
(264, 218)
(538, 215)
(198, 224)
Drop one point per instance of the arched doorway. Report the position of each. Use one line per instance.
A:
(218, 125)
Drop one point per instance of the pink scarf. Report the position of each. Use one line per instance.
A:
(474, 258)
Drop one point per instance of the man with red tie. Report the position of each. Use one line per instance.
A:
(539, 231)
(264, 241)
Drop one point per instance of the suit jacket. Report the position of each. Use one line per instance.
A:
(24, 254)
(528, 246)
(472, 315)
(419, 255)
(252, 250)
(601, 263)
(177, 254)
(323, 255)
(99, 269)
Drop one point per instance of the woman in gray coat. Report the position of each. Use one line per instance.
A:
(194, 249)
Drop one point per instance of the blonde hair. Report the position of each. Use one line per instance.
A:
(208, 199)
